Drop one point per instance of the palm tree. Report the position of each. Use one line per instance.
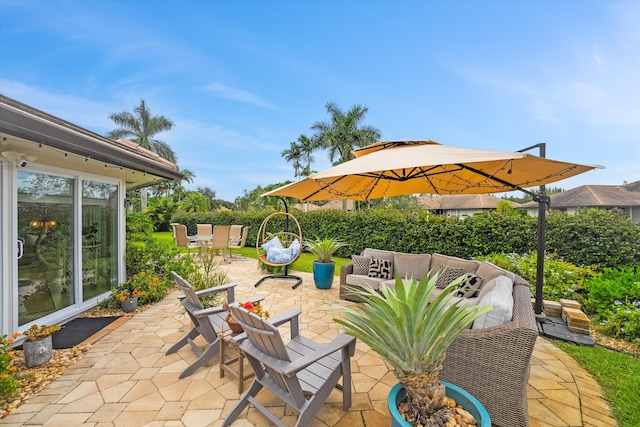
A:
(293, 154)
(343, 132)
(141, 127)
(307, 146)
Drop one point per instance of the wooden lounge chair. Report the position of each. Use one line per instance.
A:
(206, 322)
(302, 373)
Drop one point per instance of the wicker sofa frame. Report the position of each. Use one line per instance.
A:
(492, 363)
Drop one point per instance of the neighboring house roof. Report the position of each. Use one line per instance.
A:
(595, 196)
(462, 201)
(633, 186)
(28, 131)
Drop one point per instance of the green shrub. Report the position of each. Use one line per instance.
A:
(594, 237)
(8, 383)
(209, 276)
(561, 279)
(622, 321)
(614, 301)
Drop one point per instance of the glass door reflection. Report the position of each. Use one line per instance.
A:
(45, 226)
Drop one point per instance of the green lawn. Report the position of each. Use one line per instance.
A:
(618, 374)
(304, 263)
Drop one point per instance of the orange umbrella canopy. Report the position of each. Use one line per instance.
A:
(396, 168)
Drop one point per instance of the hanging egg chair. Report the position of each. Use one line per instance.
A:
(278, 247)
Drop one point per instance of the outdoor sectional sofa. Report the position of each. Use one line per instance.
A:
(491, 359)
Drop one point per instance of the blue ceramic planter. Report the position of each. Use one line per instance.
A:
(468, 402)
(323, 274)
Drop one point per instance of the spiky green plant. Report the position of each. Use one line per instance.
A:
(324, 248)
(413, 335)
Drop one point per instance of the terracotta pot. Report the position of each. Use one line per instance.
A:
(235, 327)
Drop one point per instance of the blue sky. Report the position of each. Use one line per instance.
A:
(243, 79)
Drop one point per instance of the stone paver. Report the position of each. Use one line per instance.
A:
(127, 380)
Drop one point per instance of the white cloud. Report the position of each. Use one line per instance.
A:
(227, 92)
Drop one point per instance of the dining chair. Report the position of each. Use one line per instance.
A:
(182, 240)
(238, 243)
(220, 241)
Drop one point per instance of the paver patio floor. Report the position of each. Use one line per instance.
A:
(127, 380)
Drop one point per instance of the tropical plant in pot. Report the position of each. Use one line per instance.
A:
(38, 345)
(323, 266)
(413, 335)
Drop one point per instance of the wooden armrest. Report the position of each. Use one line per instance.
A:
(215, 290)
(208, 311)
(338, 343)
(290, 315)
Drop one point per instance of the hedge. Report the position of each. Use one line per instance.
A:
(590, 237)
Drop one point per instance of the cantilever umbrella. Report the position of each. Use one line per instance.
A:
(396, 168)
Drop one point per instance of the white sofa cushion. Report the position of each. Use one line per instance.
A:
(500, 297)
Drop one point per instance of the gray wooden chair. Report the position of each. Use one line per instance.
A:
(302, 373)
(206, 322)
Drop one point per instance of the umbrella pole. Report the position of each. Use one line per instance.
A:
(543, 203)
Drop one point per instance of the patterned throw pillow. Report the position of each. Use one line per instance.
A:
(380, 268)
(360, 264)
(471, 287)
(447, 275)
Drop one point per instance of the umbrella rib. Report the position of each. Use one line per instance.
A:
(324, 187)
(501, 181)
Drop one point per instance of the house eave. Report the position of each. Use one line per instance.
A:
(22, 121)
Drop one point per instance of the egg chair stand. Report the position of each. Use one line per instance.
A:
(287, 238)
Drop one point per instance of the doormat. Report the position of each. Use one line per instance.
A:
(78, 330)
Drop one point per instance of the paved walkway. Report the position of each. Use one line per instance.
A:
(127, 380)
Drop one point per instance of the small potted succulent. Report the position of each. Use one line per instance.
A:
(38, 345)
(324, 267)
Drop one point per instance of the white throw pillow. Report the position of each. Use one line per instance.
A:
(501, 299)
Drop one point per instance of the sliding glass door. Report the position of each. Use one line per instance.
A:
(99, 238)
(68, 230)
(45, 228)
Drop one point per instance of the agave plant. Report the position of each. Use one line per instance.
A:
(324, 248)
(413, 335)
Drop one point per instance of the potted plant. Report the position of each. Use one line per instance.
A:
(128, 292)
(413, 335)
(324, 267)
(38, 345)
(254, 307)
